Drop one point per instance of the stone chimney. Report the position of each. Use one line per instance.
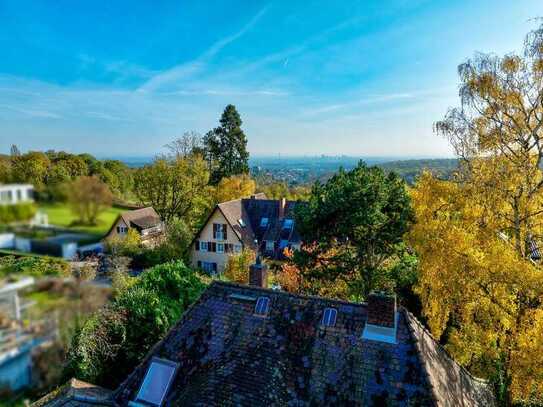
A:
(258, 274)
(282, 206)
(382, 318)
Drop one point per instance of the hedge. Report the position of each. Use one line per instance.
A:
(17, 213)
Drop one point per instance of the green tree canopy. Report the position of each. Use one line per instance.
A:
(122, 333)
(226, 147)
(31, 167)
(88, 197)
(353, 227)
(176, 188)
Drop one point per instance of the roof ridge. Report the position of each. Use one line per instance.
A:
(231, 200)
(426, 331)
(288, 294)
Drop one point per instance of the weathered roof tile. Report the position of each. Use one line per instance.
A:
(229, 356)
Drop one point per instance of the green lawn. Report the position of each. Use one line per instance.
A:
(61, 215)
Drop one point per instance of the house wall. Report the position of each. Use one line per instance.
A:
(15, 193)
(206, 235)
(114, 233)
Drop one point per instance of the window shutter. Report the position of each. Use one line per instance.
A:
(215, 230)
(199, 264)
(213, 246)
(224, 228)
(118, 229)
(197, 247)
(215, 267)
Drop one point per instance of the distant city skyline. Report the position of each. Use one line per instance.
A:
(308, 78)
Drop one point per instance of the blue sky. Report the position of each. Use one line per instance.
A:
(308, 77)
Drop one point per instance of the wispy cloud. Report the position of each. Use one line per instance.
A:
(228, 92)
(187, 69)
(358, 103)
(34, 113)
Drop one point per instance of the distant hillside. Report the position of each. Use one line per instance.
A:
(306, 170)
(410, 169)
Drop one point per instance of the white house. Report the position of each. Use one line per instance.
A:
(256, 223)
(11, 194)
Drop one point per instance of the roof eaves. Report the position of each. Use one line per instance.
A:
(411, 319)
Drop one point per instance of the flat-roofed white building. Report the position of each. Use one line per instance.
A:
(11, 194)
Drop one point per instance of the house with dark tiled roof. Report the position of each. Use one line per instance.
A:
(251, 346)
(256, 223)
(145, 221)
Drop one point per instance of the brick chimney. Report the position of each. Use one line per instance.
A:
(258, 274)
(382, 318)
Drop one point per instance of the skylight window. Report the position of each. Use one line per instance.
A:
(288, 223)
(329, 317)
(241, 223)
(264, 222)
(262, 306)
(157, 382)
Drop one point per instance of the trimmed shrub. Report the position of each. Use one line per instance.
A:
(140, 315)
(17, 213)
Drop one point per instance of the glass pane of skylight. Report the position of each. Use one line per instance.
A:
(329, 317)
(157, 382)
(288, 223)
(262, 305)
(264, 222)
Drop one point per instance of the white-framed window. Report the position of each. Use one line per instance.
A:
(264, 222)
(122, 230)
(220, 247)
(270, 245)
(237, 248)
(203, 246)
(219, 229)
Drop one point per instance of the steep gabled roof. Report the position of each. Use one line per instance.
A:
(141, 218)
(251, 211)
(144, 217)
(227, 355)
(233, 211)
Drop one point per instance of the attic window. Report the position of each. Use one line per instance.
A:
(288, 223)
(329, 317)
(241, 223)
(262, 306)
(264, 222)
(157, 382)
